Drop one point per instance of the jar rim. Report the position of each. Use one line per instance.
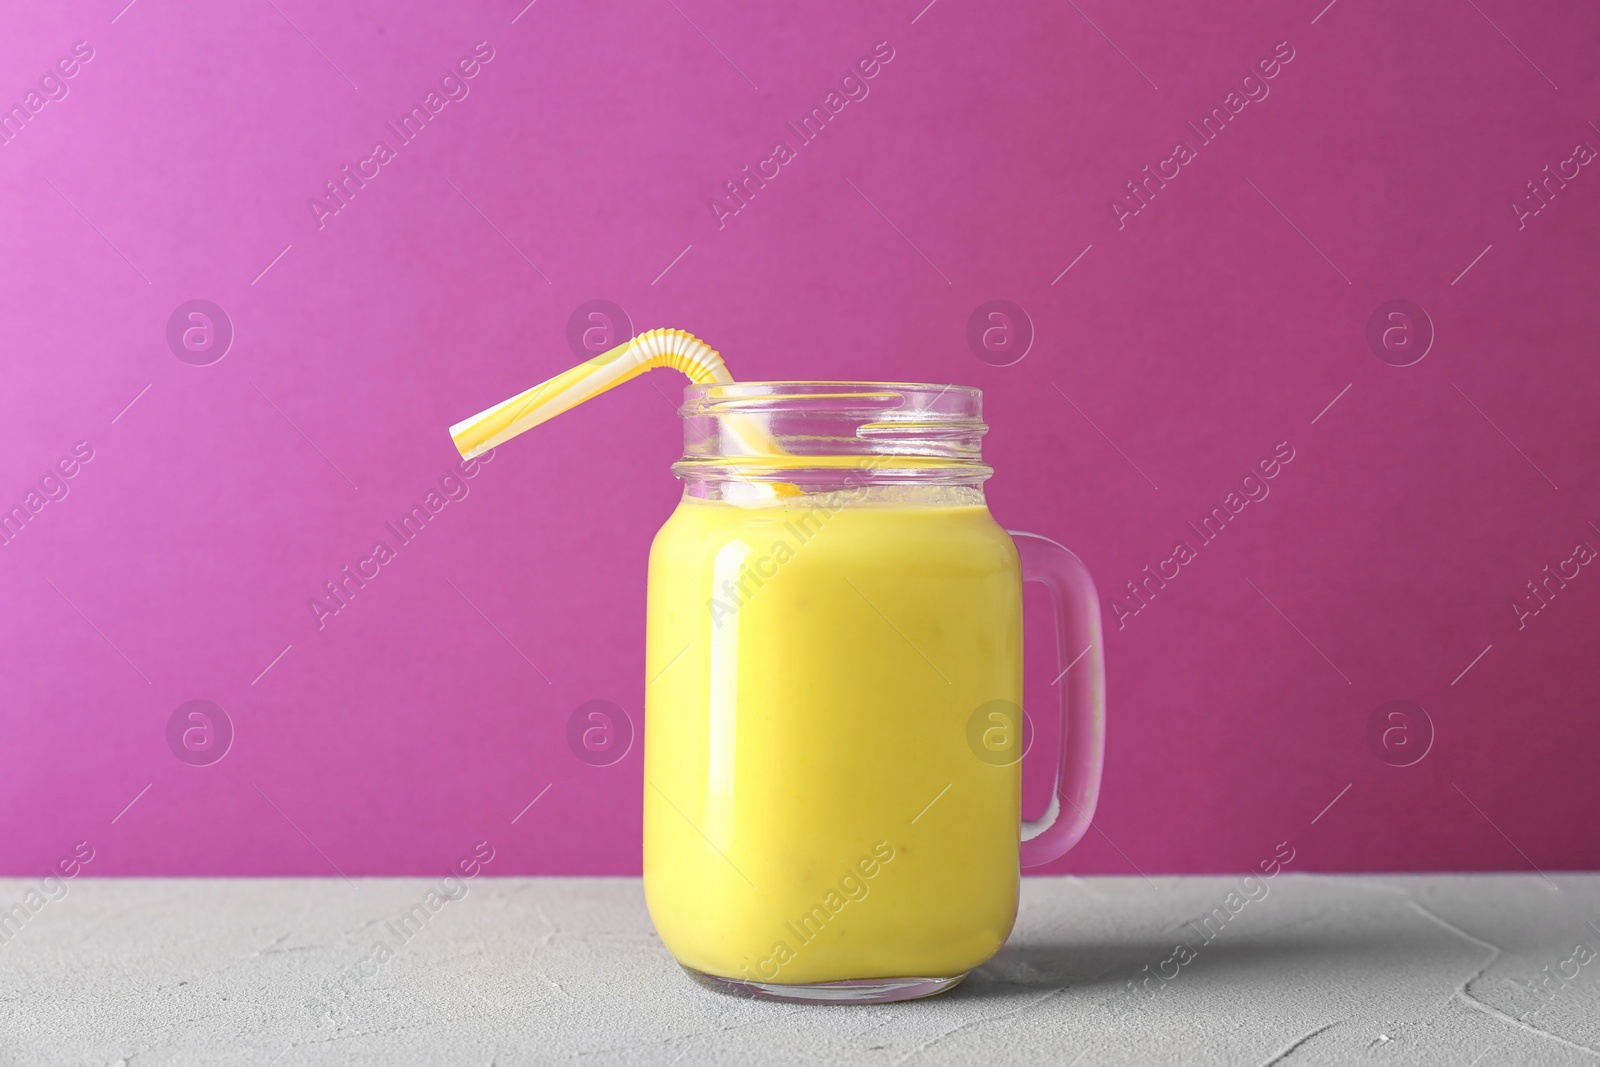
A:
(927, 399)
(800, 431)
(857, 384)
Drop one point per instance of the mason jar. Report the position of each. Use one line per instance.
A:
(833, 711)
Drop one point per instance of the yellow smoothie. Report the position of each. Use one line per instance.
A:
(813, 808)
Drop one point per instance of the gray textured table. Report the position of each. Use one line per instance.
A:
(1462, 970)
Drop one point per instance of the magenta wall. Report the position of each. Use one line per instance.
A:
(1176, 342)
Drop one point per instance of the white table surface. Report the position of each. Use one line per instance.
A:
(1323, 970)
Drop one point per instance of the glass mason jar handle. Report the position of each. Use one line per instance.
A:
(1083, 707)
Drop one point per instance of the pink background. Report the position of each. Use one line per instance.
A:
(1222, 319)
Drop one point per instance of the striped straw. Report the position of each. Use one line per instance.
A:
(677, 349)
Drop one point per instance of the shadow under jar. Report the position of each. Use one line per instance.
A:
(833, 737)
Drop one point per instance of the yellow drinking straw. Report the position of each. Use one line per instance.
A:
(677, 349)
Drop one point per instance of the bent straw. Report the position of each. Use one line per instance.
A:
(677, 349)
